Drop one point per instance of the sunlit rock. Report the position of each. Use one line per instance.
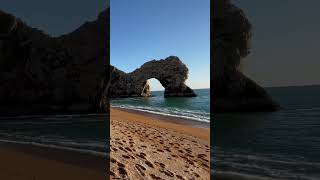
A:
(171, 73)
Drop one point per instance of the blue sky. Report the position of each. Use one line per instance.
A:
(285, 44)
(143, 30)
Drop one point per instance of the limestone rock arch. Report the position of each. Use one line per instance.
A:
(170, 72)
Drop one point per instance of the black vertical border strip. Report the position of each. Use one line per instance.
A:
(212, 130)
(107, 122)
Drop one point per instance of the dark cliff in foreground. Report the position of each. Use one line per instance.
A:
(232, 90)
(40, 74)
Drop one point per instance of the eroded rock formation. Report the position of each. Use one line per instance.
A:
(170, 72)
(40, 74)
(232, 90)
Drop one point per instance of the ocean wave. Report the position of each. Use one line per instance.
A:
(97, 153)
(59, 142)
(171, 112)
(50, 121)
(234, 163)
(243, 176)
(54, 116)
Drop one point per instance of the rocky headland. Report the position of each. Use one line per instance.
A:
(230, 44)
(40, 74)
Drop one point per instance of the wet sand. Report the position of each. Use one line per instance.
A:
(146, 147)
(27, 162)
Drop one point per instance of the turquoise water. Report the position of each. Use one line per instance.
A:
(191, 108)
(85, 133)
(279, 145)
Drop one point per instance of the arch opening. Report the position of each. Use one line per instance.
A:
(154, 87)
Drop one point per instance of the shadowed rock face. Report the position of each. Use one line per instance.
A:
(232, 90)
(170, 72)
(41, 74)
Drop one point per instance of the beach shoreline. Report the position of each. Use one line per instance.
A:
(145, 145)
(24, 161)
(27, 161)
(164, 118)
(196, 128)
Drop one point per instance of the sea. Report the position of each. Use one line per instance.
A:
(271, 145)
(83, 133)
(87, 132)
(264, 145)
(195, 109)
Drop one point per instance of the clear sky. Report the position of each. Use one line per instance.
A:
(55, 17)
(143, 30)
(286, 42)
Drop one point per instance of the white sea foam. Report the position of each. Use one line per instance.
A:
(92, 146)
(171, 112)
(50, 121)
(53, 116)
(88, 151)
(262, 166)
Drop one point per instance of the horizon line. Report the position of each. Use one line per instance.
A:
(282, 86)
(191, 88)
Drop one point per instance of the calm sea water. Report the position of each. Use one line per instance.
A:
(280, 145)
(85, 133)
(191, 108)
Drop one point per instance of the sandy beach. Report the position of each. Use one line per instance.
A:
(146, 147)
(27, 162)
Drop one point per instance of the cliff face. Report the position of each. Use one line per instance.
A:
(171, 73)
(41, 74)
(232, 90)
